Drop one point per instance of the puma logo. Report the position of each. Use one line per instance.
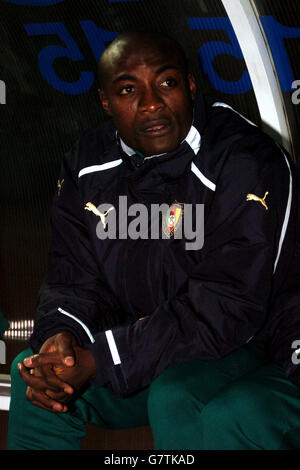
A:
(90, 207)
(59, 185)
(253, 197)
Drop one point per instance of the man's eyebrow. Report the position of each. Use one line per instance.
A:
(123, 77)
(129, 77)
(163, 68)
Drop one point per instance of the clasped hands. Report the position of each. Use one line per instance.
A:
(57, 373)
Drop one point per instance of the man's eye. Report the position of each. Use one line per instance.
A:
(126, 90)
(168, 82)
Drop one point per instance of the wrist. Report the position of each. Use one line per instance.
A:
(89, 363)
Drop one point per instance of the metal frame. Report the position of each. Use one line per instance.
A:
(4, 392)
(252, 40)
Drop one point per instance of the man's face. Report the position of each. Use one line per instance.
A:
(149, 97)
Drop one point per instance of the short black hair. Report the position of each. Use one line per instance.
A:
(156, 37)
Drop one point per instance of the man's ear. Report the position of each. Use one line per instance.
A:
(104, 101)
(192, 85)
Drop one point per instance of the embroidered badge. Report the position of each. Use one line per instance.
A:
(253, 197)
(172, 219)
(90, 207)
(59, 185)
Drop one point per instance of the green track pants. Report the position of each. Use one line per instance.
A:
(239, 402)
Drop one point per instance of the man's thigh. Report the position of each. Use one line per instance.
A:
(31, 427)
(100, 407)
(205, 378)
(178, 396)
(258, 411)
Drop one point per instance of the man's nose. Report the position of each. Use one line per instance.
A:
(150, 101)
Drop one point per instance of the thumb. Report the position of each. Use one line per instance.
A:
(65, 343)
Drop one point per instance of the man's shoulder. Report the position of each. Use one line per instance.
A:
(95, 146)
(226, 126)
(236, 152)
(238, 141)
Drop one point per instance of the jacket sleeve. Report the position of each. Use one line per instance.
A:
(224, 303)
(284, 340)
(74, 295)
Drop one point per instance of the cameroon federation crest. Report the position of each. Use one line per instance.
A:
(172, 219)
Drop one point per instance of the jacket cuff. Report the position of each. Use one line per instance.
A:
(56, 322)
(110, 368)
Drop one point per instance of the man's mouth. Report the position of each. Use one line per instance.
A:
(156, 128)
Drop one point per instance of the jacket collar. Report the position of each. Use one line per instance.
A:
(193, 138)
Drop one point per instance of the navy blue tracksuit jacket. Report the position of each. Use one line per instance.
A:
(182, 304)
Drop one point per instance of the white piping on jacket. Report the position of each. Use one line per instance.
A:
(113, 347)
(92, 339)
(209, 184)
(286, 217)
(289, 202)
(224, 105)
(104, 166)
(193, 138)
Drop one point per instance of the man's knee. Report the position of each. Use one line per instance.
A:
(172, 399)
(236, 418)
(19, 358)
(14, 372)
(174, 413)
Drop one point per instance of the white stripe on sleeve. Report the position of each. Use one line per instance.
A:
(92, 339)
(113, 347)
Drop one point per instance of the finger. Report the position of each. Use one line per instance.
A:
(42, 359)
(43, 401)
(51, 380)
(56, 385)
(35, 401)
(65, 343)
(40, 383)
(52, 410)
(40, 405)
(51, 377)
(58, 396)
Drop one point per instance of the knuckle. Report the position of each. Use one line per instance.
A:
(28, 394)
(28, 381)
